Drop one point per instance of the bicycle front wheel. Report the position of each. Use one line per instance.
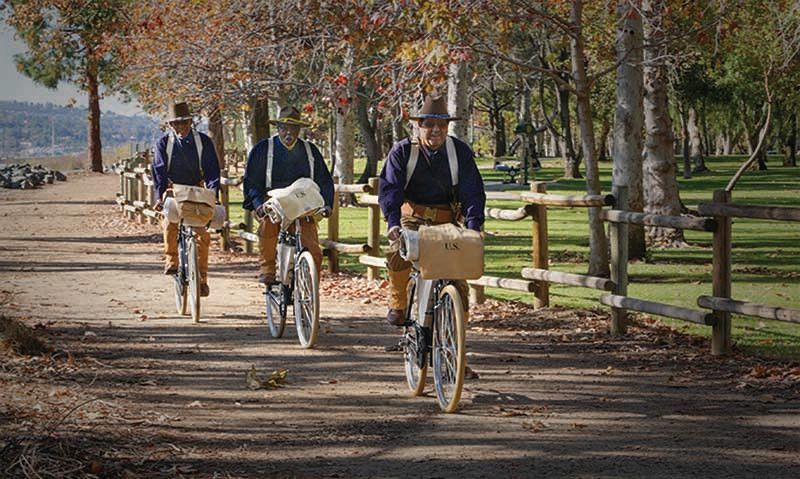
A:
(180, 293)
(414, 343)
(193, 274)
(306, 300)
(276, 315)
(449, 348)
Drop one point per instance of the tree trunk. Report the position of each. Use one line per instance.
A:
(602, 140)
(791, 142)
(458, 99)
(371, 145)
(256, 122)
(343, 168)
(660, 184)
(598, 244)
(752, 144)
(93, 119)
(497, 123)
(216, 133)
(571, 161)
(695, 142)
(687, 161)
(629, 120)
(527, 133)
(706, 137)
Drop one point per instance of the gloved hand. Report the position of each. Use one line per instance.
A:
(261, 212)
(393, 234)
(326, 212)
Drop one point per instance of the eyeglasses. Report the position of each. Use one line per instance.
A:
(431, 123)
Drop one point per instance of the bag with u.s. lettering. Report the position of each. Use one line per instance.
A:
(195, 204)
(448, 251)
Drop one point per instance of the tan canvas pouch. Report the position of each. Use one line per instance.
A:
(448, 251)
(195, 204)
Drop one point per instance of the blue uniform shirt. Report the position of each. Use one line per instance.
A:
(185, 167)
(287, 167)
(431, 183)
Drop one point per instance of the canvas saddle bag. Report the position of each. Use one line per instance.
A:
(195, 204)
(445, 251)
(298, 199)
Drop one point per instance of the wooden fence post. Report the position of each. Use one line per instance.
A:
(374, 230)
(248, 226)
(142, 196)
(721, 334)
(477, 294)
(127, 192)
(619, 260)
(333, 230)
(539, 246)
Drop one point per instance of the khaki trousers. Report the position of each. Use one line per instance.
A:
(399, 270)
(268, 239)
(171, 247)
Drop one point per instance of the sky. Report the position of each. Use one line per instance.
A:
(16, 86)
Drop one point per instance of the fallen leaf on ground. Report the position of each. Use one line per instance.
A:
(276, 379)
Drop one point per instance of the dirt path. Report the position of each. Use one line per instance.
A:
(136, 391)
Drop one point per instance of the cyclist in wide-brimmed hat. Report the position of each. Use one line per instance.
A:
(184, 156)
(432, 179)
(277, 162)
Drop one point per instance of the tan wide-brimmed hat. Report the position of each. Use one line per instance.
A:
(289, 115)
(434, 107)
(178, 111)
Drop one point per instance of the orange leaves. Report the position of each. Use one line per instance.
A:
(340, 80)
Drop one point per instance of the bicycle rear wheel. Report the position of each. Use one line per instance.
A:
(193, 274)
(276, 312)
(449, 348)
(413, 343)
(306, 300)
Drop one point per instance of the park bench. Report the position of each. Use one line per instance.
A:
(508, 165)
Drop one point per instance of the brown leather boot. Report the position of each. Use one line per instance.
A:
(170, 269)
(396, 317)
(204, 290)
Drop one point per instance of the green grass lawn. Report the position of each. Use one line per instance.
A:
(765, 261)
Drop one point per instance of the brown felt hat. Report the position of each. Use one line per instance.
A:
(289, 115)
(434, 107)
(178, 111)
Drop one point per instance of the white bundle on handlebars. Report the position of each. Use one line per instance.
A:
(298, 199)
(409, 245)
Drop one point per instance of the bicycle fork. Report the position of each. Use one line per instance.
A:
(424, 329)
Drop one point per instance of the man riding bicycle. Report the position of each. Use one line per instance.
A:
(427, 181)
(277, 162)
(184, 156)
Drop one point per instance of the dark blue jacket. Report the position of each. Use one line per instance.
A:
(185, 169)
(431, 183)
(287, 167)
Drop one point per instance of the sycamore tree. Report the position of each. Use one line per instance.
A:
(587, 33)
(72, 42)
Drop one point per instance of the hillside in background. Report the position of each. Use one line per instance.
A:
(44, 129)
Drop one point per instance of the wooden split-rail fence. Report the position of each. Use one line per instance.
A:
(136, 200)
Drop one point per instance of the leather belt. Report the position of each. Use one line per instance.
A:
(435, 214)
